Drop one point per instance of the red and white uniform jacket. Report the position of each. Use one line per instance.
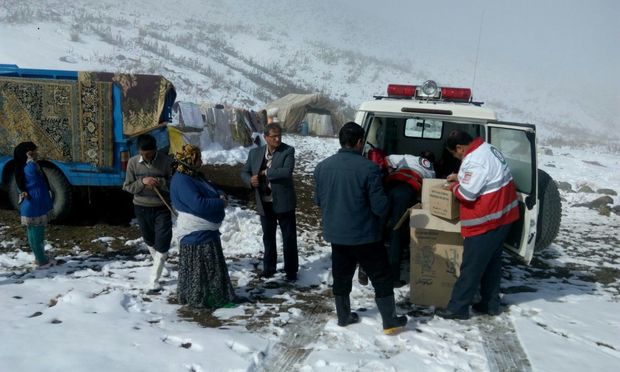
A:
(410, 169)
(486, 190)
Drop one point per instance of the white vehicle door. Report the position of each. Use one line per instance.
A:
(517, 142)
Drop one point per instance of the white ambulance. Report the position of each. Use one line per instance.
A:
(412, 119)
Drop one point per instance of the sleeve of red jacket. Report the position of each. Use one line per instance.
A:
(471, 180)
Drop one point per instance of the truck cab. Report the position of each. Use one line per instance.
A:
(79, 121)
(415, 118)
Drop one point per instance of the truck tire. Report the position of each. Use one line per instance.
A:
(61, 193)
(13, 192)
(549, 211)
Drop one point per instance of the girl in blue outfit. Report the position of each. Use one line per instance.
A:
(36, 201)
(203, 273)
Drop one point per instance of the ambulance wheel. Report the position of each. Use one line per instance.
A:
(549, 211)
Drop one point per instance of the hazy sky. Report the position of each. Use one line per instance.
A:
(572, 44)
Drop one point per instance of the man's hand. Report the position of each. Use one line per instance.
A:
(452, 178)
(24, 195)
(225, 199)
(254, 181)
(150, 181)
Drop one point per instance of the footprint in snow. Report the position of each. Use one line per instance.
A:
(184, 343)
(130, 304)
(35, 314)
(194, 368)
(239, 348)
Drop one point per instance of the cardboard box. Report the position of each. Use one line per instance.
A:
(435, 262)
(443, 203)
(423, 219)
(427, 185)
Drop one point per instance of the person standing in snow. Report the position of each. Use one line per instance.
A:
(35, 200)
(403, 187)
(488, 206)
(147, 178)
(203, 273)
(349, 192)
(269, 171)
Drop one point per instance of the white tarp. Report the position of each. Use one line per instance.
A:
(322, 115)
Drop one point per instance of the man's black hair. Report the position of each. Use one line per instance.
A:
(457, 137)
(146, 142)
(273, 126)
(349, 134)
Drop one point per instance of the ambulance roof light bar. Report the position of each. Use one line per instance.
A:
(429, 91)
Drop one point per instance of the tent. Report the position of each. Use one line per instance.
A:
(314, 113)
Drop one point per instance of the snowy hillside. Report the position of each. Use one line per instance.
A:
(247, 54)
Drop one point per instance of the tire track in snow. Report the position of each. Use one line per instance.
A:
(292, 350)
(501, 344)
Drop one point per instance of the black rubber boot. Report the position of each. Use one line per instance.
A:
(391, 322)
(343, 310)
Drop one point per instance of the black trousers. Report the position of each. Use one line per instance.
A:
(155, 226)
(288, 226)
(401, 196)
(371, 257)
(481, 268)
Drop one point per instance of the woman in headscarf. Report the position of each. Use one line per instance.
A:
(203, 273)
(35, 200)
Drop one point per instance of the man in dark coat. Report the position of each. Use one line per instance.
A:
(354, 206)
(269, 171)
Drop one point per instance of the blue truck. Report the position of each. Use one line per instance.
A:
(84, 123)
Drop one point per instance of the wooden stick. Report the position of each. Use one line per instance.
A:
(164, 201)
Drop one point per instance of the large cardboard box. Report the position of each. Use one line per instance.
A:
(423, 219)
(435, 262)
(427, 185)
(436, 255)
(443, 203)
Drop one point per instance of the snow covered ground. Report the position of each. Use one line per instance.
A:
(93, 313)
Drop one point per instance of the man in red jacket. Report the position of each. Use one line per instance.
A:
(488, 198)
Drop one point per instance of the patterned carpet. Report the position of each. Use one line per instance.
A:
(68, 121)
(144, 97)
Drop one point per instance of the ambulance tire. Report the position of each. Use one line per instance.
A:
(549, 211)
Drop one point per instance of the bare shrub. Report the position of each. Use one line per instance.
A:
(75, 36)
(18, 15)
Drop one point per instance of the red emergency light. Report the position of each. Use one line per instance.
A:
(429, 91)
(456, 94)
(401, 90)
